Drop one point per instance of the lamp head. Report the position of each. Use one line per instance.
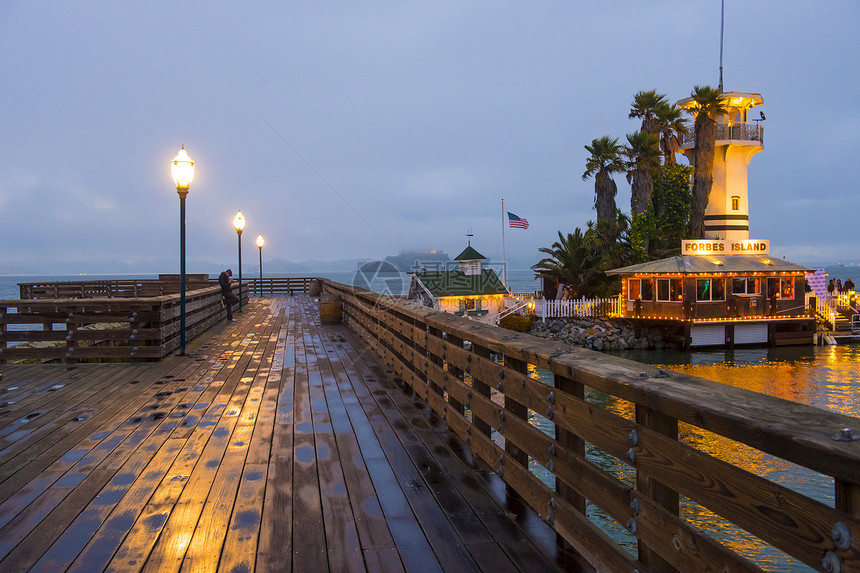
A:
(260, 241)
(239, 222)
(182, 170)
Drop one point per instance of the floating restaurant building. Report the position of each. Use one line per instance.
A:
(715, 297)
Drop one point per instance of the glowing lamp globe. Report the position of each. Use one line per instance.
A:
(182, 170)
(260, 241)
(239, 222)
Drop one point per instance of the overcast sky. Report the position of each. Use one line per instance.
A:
(360, 129)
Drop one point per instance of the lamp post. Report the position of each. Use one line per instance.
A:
(239, 224)
(260, 242)
(182, 170)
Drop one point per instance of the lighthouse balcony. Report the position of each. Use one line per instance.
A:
(737, 133)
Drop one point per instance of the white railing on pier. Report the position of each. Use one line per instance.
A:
(831, 308)
(824, 309)
(583, 307)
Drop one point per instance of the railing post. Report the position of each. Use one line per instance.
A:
(665, 497)
(847, 497)
(456, 372)
(514, 408)
(3, 310)
(71, 327)
(479, 387)
(571, 443)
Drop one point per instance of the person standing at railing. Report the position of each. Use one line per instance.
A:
(224, 279)
(849, 285)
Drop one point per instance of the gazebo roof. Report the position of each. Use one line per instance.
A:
(470, 254)
(694, 264)
(458, 283)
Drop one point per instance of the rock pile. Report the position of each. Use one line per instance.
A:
(599, 333)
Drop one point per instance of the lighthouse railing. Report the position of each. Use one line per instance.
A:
(752, 132)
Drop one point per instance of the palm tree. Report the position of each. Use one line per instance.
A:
(604, 161)
(642, 156)
(708, 105)
(566, 261)
(608, 246)
(671, 126)
(645, 106)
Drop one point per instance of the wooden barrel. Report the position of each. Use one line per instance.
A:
(314, 288)
(331, 309)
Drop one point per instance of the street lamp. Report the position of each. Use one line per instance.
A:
(260, 242)
(182, 170)
(239, 224)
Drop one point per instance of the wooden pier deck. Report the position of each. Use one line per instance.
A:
(278, 444)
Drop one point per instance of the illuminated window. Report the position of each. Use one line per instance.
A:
(780, 287)
(710, 289)
(647, 289)
(745, 285)
(669, 290)
(736, 203)
(633, 289)
(640, 289)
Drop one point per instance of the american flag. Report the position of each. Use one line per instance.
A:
(517, 222)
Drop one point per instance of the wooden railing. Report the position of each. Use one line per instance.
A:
(112, 288)
(584, 307)
(118, 319)
(482, 381)
(278, 285)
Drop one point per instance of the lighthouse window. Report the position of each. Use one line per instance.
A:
(736, 203)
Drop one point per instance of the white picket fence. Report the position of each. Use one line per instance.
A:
(582, 307)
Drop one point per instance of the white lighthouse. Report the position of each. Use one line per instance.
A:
(738, 139)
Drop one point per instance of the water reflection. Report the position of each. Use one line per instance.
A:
(824, 377)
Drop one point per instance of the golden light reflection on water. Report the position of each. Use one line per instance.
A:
(826, 377)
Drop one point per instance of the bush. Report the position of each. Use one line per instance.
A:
(516, 322)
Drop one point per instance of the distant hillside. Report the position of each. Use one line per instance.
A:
(409, 261)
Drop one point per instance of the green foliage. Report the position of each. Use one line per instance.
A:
(516, 322)
(642, 234)
(580, 260)
(673, 205)
(646, 106)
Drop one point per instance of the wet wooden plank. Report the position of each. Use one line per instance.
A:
(53, 513)
(275, 541)
(309, 543)
(481, 522)
(285, 449)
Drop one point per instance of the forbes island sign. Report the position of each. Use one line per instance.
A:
(719, 247)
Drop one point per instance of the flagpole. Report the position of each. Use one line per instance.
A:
(504, 253)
